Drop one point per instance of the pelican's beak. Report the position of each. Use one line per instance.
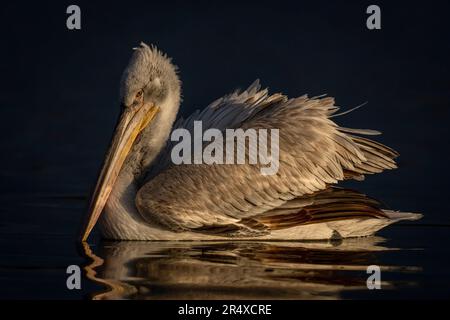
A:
(132, 121)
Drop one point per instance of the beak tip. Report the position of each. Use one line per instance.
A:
(82, 237)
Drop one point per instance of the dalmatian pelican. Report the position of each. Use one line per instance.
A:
(142, 195)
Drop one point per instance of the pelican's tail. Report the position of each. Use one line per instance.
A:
(367, 227)
(401, 216)
(331, 213)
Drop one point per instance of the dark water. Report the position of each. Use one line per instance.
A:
(412, 266)
(58, 105)
(258, 270)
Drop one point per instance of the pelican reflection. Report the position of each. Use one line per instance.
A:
(235, 270)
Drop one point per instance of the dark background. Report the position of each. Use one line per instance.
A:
(59, 94)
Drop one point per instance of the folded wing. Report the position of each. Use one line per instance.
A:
(314, 153)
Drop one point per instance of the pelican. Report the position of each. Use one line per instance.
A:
(142, 195)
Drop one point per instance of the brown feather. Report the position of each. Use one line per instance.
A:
(329, 205)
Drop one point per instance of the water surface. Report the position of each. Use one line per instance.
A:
(59, 104)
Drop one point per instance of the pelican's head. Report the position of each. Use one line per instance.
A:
(150, 77)
(149, 80)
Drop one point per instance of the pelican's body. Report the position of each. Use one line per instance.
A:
(144, 196)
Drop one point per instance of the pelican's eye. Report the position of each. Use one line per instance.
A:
(138, 97)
